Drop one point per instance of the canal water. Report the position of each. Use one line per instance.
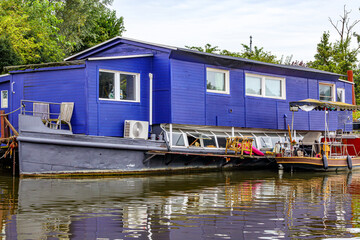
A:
(217, 205)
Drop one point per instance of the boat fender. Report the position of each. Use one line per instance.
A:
(349, 162)
(325, 161)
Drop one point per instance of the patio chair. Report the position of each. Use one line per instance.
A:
(66, 111)
(41, 110)
(310, 143)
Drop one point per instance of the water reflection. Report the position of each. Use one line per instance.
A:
(223, 205)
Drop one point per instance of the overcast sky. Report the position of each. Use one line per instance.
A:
(283, 27)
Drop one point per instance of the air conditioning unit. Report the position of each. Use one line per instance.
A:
(136, 129)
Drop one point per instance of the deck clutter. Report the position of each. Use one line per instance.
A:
(321, 152)
(129, 106)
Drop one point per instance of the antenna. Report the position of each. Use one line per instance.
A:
(250, 43)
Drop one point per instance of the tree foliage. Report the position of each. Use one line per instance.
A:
(258, 54)
(38, 31)
(87, 23)
(340, 56)
(29, 30)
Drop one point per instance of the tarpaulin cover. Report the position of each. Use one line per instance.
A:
(324, 105)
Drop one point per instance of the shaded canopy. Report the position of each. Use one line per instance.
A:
(312, 104)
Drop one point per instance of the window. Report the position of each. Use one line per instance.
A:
(217, 80)
(119, 86)
(4, 99)
(265, 86)
(326, 92)
(340, 95)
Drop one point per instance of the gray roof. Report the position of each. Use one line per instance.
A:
(171, 48)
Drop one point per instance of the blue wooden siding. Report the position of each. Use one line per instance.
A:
(187, 93)
(122, 50)
(227, 109)
(58, 86)
(106, 118)
(191, 104)
(16, 95)
(161, 89)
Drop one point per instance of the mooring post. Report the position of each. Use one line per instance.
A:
(2, 116)
(14, 162)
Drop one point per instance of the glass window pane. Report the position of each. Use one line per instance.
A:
(127, 87)
(340, 96)
(221, 141)
(106, 85)
(325, 92)
(272, 87)
(253, 85)
(215, 80)
(178, 139)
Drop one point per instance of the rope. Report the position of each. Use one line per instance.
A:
(5, 114)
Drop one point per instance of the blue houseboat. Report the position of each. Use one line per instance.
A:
(128, 106)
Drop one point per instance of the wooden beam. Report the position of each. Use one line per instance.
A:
(2, 122)
(11, 127)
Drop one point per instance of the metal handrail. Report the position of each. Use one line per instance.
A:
(23, 111)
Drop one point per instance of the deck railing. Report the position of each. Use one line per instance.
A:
(47, 111)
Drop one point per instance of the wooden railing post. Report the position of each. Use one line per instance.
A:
(2, 121)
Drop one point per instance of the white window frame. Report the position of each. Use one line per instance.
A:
(263, 86)
(117, 85)
(343, 94)
(333, 93)
(227, 80)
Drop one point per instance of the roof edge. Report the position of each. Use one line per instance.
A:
(43, 65)
(120, 38)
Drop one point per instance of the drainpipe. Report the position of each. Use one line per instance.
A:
(150, 98)
(351, 79)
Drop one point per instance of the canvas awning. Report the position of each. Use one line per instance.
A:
(312, 104)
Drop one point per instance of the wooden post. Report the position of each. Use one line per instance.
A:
(2, 112)
(12, 128)
(14, 164)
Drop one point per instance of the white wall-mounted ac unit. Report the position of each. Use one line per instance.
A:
(136, 129)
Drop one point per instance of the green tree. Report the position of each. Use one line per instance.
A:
(339, 57)
(37, 31)
(29, 28)
(208, 48)
(324, 56)
(257, 54)
(87, 23)
(7, 53)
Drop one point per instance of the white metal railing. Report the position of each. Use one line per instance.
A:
(48, 111)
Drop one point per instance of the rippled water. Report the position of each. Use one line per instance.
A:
(220, 205)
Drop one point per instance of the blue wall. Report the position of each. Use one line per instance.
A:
(192, 104)
(161, 88)
(106, 118)
(56, 85)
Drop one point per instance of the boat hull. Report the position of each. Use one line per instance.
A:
(49, 152)
(314, 163)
